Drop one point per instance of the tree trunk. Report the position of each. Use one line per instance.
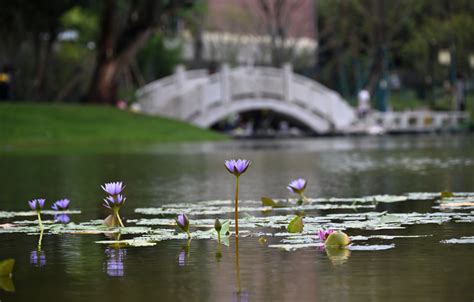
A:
(104, 83)
(103, 88)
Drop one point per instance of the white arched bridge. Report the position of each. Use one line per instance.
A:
(204, 99)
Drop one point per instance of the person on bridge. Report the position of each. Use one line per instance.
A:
(363, 103)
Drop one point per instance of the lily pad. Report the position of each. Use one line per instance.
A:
(376, 247)
(128, 242)
(462, 240)
(386, 198)
(10, 214)
(294, 247)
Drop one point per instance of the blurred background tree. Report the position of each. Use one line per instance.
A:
(102, 51)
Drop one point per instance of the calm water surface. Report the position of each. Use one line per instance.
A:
(75, 268)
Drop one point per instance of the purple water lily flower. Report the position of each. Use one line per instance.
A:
(297, 186)
(62, 218)
(237, 167)
(116, 202)
(183, 222)
(61, 205)
(324, 234)
(37, 258)
(36, 204)
(113, 188)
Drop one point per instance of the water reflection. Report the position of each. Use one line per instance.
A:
(6, 284)
(38, 258)
(183, 256)
(338, 255)
(62, 218)
(115, 258)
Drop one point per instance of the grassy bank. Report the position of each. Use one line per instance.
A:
(30, 126)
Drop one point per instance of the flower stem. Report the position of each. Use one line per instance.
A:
(40, 239)
(116, 212)
(219, 237)
(189, 235)
(303, 197)
(39, 221)
(236, 212)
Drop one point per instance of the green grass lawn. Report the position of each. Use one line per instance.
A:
(25, 126)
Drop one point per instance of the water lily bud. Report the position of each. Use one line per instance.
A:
(337, 239)
(183, 222)
(217, 225)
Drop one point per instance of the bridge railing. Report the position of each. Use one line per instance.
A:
(186, 94)
(420, 121)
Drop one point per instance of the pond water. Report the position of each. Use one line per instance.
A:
(74, 267)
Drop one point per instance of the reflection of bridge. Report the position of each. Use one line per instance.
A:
(203, 99)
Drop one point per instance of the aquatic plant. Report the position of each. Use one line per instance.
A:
(296, 225)
(183, 222)
(337, 239)
(115, 203)
(237, 167)
(37, 205)
(324, 234)
(298, 186)
(61, 205)
(113, 188)
(218, 228)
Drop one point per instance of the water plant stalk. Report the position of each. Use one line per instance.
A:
(236, 212)
(40, 222)
(40, 240)
(116, 213)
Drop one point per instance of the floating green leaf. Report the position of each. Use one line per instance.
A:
(293, 247)
(6, 267)
(462, 240)
(446, 194)
(268, 202)
(225, 228)
(376, 247)
(128, 242)
(296, 225)
(10, 214)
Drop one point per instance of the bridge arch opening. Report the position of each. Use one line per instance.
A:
(262, 123)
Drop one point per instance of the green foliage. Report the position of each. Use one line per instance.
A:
(6, 267)
(157, 59)
(268, 202)
(296, 225)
